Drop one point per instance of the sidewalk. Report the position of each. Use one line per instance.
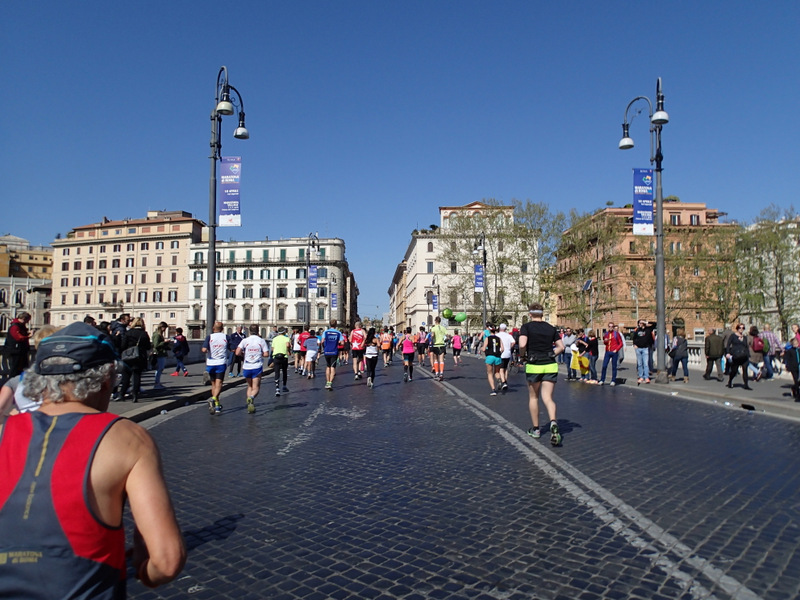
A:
(771, 396)
(180, 391)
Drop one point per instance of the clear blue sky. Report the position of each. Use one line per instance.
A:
(366, 116)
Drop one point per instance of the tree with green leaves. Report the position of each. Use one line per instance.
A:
(768, 257)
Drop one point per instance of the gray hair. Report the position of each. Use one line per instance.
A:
(80, 385)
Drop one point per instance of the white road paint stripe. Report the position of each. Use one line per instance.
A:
(582, 489)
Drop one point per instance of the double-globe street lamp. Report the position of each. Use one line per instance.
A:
(313, 244)
(224, 104)
(657, 120)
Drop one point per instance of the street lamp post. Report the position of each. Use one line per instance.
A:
(657, 120)
(480, 246)
(313, 243)
(223, 105)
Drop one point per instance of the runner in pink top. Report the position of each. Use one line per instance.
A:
(407, 346)
(358, 339)
(457, 345)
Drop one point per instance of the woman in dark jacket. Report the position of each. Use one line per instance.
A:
(791, 358)
(679, 352)
(137, 337)
(738, 354)
(756, 356)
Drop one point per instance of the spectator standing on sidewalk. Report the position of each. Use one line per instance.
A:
(161, 349)
(568, 339)
(135, 337)
(642, 344)
(235, 360)
(215, 347)
(18, 344)
(613, 341)
(772, 348)
(85, 464)
(714, 349)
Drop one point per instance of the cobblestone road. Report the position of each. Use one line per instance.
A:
(433, 490)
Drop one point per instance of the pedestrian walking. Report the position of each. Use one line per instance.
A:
(253, 349)
(235, 360)
(458, 344)
(714, 350)
(160, 350)
(215, 347)
(679, 353)
(135, 346)
(539, 345)
(180, 349)
(737, 353)
(791, 358)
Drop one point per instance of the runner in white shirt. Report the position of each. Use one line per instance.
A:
(215, 348)
(508, 346)
(312, 350)
(254, 349)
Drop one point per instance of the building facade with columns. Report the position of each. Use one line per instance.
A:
(266, 282)
(25, 284)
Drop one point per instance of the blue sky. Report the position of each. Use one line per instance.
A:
(367, 116)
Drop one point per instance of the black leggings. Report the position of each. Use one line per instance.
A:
(280, 364)
(735, 364)
(372, 362)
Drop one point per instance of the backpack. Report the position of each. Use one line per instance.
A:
(758, 344)
(767, 347)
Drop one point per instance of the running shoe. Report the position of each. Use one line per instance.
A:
(211, 406)
(369, 382)
(329, 385)
(494, 393)
(504, 387)
(534, 433)
(555, 435)
(251, 406)
(186, 373)
(405, 377)
(175, 374)
(277, 391)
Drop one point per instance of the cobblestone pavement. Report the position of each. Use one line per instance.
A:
(433, 490)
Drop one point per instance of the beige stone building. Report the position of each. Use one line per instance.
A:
(136, 266)
(264, 282)
(440, 261)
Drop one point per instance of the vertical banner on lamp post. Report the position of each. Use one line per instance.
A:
(312, 277)
(334, 300)
(230, 173)
(478, 278)
(435, 301)
(643, 202)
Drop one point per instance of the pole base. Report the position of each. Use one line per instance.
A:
(661, 377)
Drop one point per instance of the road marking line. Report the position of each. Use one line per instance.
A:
(580, 489)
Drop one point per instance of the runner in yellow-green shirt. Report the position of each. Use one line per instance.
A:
(438, 339)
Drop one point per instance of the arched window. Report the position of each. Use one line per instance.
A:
(19, 297)
(430, 246)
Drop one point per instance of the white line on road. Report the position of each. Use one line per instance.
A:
(613, 512)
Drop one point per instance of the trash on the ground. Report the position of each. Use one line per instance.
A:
(673, 393)
(163, 412)
(727, 403)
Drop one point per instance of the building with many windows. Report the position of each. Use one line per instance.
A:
(266, 282)
(25, 272)
(136, 266)
(606, 273)
(438, 269)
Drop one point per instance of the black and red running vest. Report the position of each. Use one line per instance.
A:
(51, 543)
